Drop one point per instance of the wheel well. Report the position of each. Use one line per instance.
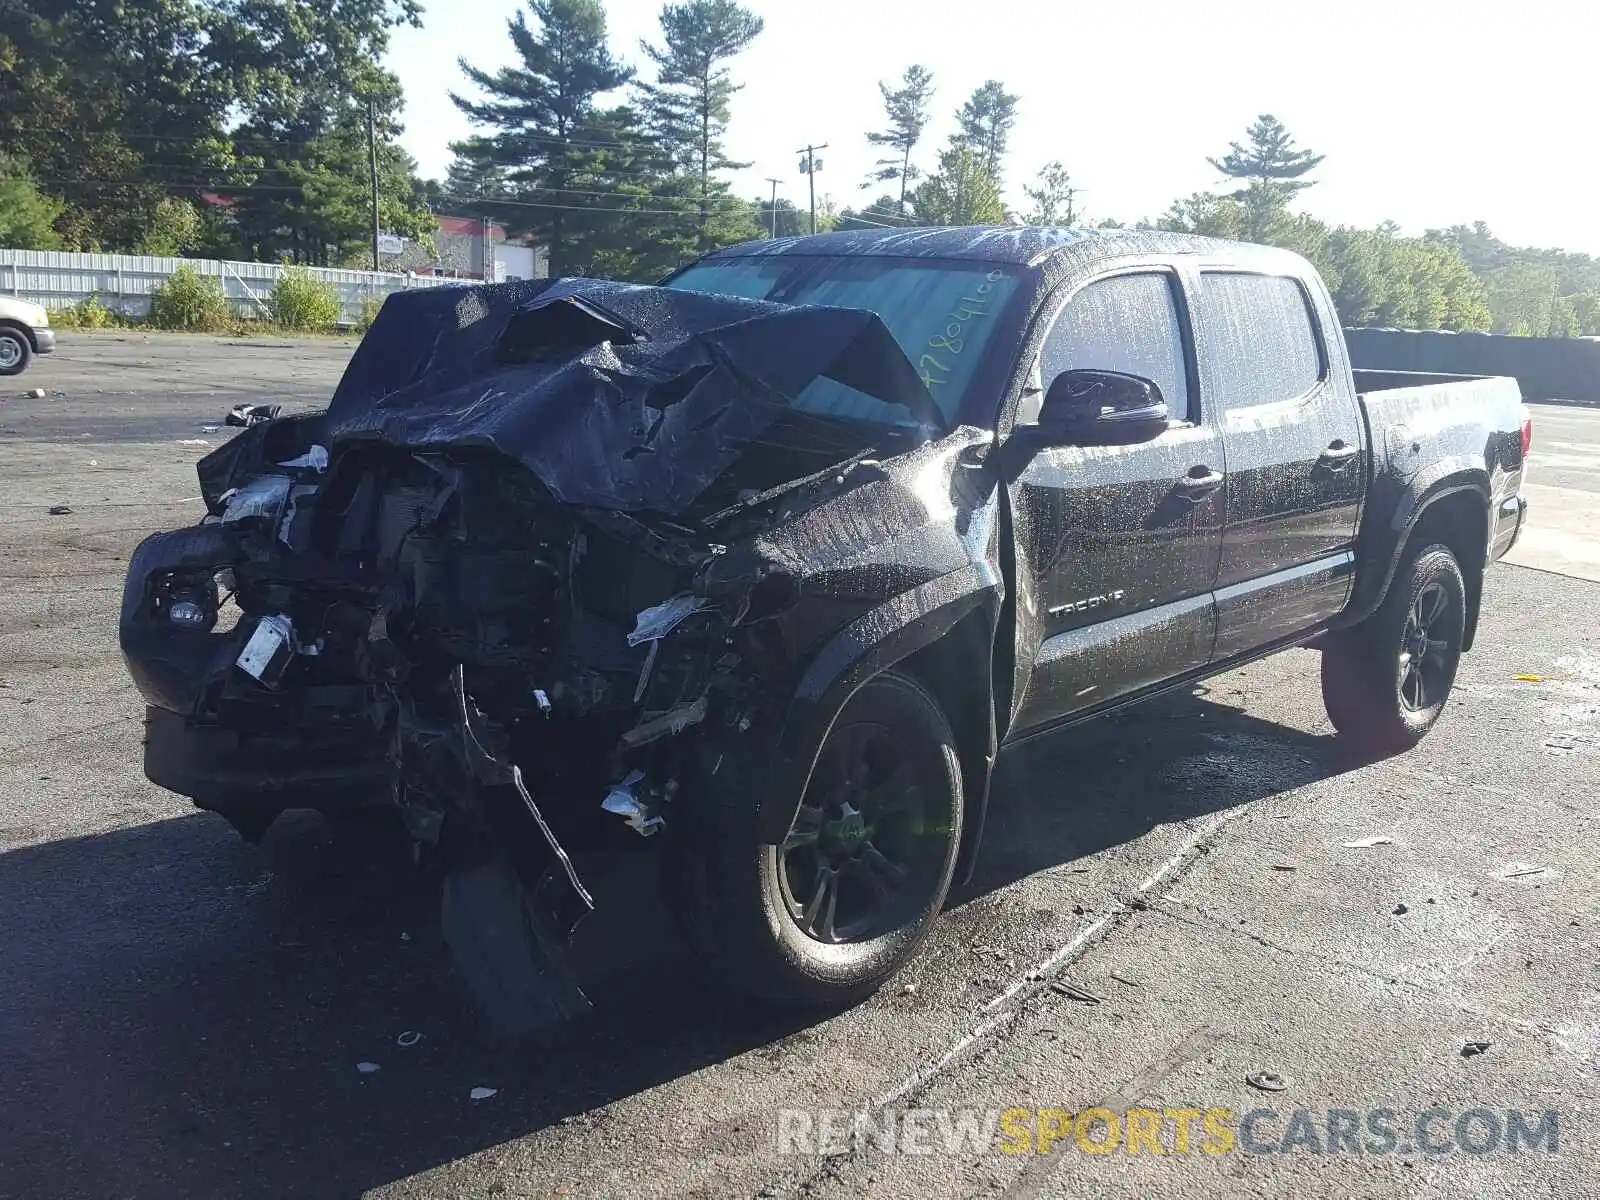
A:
(27, 334)
(958, 670)
(1461, 522)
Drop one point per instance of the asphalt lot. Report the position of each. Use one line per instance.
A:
(182, 1014)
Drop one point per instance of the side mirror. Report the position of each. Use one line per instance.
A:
(1102, 408)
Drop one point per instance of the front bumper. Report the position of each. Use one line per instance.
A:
(44, 340)
(217, 737)
(298, 766)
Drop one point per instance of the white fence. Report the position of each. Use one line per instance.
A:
(124, 282)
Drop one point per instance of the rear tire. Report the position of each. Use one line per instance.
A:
(1386, 681)
(826, 918)
(15, 351)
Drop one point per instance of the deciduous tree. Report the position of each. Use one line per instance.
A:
(1054, 198)
(961, 192)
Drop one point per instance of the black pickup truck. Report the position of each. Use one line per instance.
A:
(759, 570)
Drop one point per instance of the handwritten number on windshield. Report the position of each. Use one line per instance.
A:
(935, 365)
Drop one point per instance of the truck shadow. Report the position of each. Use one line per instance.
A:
(1079, 792)
(185, 1015)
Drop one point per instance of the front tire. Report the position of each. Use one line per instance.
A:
(847, 899)
(1386, 681)
(14, 351)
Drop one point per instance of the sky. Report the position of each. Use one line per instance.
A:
(1430, 113)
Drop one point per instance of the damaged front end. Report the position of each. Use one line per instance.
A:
(539, 565)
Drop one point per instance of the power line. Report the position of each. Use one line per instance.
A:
(128, 186)
(868, 221)
(551, 139)
(892, 217)
(294, 170)
(473, 200)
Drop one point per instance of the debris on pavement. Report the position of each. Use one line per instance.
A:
(1473, 1049)
(1267, 1081)
(59, 510)
(1284, 867)
(1123, 979)
(909, 989)
(483, 1093)
(409, 1038)
(1368, 842)
(1529, 678)
(1518, 870)
(1073, 992)
(34, 394)
(193, 442)
(246, 415)
(367, 1068)
(1401, 909)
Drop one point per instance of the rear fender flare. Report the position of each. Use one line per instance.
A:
(1388, 542)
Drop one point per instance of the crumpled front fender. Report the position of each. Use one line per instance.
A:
(870, 645)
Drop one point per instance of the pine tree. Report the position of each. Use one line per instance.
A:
(1270, 159)
(689, 105)
(475, 173)
(907, 110)
(541, 107)
(985, 123)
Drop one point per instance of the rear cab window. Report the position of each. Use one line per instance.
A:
(1258, 340)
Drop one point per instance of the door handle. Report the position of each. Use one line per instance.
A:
(1199, 483)
(1338, 455)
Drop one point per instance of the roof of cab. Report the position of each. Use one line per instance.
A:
(1017, 245)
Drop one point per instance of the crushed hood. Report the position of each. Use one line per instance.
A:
(615, 396)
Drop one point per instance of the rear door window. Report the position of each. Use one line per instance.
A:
(1258, 343)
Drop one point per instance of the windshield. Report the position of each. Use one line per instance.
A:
(943, 314)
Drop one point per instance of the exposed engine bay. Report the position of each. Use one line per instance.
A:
(556, 554)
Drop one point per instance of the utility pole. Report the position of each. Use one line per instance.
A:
(809, 166)
(372, 155)
(772, 210)
(488, 251)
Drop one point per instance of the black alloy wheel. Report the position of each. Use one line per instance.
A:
(1386, 681)
(825, 916)
(864, 853)
(1428, 652)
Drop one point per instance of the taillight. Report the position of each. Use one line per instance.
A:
(1527, 432)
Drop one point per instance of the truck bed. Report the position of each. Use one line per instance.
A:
(1430, 435)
